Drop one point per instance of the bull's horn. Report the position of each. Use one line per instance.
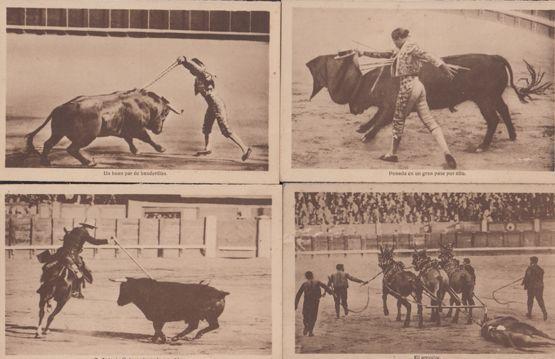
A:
(119, 280)
(173, 110)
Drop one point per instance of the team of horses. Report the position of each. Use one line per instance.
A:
(432, 277)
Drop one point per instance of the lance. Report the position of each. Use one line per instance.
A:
(132, 258)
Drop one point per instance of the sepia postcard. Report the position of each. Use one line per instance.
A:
(418, 271)
(444, 91)
(178, 271)
(139, 91)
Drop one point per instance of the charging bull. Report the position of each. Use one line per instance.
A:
(125, 114)
(163, 302)
(483, 81)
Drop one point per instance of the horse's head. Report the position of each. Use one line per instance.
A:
(419, 258)
(385, 256)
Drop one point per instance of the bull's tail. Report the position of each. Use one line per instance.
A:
(29, 137)
(521, 97)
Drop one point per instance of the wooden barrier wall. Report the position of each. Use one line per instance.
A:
(148, 237)
(353, 242)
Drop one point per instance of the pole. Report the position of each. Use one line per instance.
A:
(133, 259)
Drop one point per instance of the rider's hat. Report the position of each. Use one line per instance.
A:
(89, 223)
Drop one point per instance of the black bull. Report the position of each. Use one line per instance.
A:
(483, 83)
(125, 114)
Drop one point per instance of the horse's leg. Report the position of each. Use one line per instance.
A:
(440, 296)
(470, 302)
(398, 310)
(407, 305)
(451, 302)
(419, 309)
(42, 304)
(457, 311)
(59, 306)
(384, 299)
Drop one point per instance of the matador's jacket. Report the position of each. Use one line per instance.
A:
(407, 62)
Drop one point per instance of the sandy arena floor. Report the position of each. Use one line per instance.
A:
(97, 325)
(372, 332)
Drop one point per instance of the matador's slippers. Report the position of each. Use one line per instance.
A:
(203, 153)
(451, 163)
(246, 155)
(389, 158)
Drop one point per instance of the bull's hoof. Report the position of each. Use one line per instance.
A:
(160, 149)
(198, 336)
(91, 163)
(398, 319)
(512, 137)
(134, 150)
(386, 312)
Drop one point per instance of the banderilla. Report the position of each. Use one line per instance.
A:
(162, 74)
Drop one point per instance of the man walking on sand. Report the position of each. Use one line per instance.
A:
(205, 85)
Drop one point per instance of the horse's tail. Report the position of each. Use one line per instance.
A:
(521, 96)
(29, 137)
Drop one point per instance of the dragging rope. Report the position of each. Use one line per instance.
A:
(367, 296)
(505, 286)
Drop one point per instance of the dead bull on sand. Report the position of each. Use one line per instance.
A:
(163, 302)
(125, 114)
(511, 332)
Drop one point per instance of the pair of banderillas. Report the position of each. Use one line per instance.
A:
(162, 74)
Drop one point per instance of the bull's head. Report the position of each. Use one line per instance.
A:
(159, 109)
(125, 293)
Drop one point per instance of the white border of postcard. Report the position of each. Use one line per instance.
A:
(288, 279)
(154, 175)
(290, 174)
(273, 191)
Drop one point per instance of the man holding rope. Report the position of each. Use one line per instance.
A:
(533, 284)
(205, 85)
(312, 295)
(339, 282)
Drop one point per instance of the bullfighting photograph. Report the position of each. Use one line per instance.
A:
(142, 91)
(141, 271)
(376, 91)
(419, 271)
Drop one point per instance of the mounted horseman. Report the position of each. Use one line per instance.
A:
(64, 273)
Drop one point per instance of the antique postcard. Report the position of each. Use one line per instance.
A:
(404, 92)
(138, 91)
(141, 271)
(418, 271)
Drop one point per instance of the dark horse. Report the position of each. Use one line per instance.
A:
(399, 283)
(460, 281)
(59, 282)
(432, 279)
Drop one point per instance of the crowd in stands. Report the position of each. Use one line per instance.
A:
(22, 205)
(333, 208)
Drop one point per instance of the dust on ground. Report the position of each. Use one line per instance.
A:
(97, 325)
(372, 332)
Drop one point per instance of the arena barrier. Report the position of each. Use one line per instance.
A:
(191, 24)
(147, 237)
(467, 242)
